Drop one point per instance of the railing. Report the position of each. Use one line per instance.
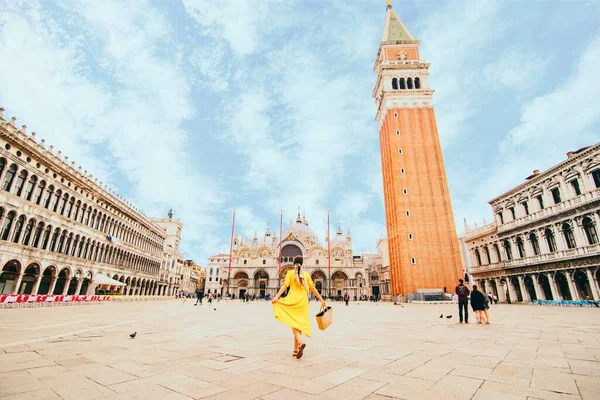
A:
(565, 205)
(404, 62)
(558, 255)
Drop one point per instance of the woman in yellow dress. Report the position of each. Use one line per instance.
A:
(293, 309)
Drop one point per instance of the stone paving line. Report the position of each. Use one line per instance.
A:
(238, 351)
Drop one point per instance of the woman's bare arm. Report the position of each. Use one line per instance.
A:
(278, 295)
(317, 295)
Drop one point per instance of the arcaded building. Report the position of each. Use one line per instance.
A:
(543, 244)
(255, 263)
(423, 245)
(62, 231)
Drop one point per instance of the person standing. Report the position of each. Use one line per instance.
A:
(199, 296)
(293, 309)
(478, 301)
(346, 298)
(463, 301)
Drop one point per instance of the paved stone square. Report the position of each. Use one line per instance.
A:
(372, 351)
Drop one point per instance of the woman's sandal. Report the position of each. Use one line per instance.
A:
(300, 350)
(295, 353)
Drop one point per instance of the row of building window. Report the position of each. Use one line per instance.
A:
(408, 83)
(46, 237)
(68, 206)
(556, 197)
(589, 230)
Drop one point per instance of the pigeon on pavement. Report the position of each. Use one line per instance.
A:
(441, 315)
(448, 316)
(133, 335)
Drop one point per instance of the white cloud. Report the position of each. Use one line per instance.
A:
(247, 222)
(516, 70)
(236, 21)
(299, 133)
(550, 125)
(135, 114)
(451, 38)
(210, 62)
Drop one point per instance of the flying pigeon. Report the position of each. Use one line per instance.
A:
(448, 316)
(441, 315)
(133, 335)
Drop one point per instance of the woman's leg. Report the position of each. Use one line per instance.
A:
(297, 337)
(487, 315)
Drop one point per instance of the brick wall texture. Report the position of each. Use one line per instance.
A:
(422, 190)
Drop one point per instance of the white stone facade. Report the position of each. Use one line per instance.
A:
(173, 276)
(255, 264)
(543, 244)
(60, 228)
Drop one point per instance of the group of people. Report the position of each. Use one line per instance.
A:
(480, 303)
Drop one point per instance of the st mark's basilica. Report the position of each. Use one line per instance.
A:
(255, 266)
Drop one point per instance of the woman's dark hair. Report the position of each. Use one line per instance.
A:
(298, 260)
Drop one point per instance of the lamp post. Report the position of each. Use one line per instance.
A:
(230, 253)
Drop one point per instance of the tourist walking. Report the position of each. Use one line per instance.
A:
(487, 300)
(346, 298)
(293, 309)
(478, 300)
(463, 301)
(199, 296)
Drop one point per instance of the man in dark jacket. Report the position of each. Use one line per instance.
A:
(199, 296)
(463, 301)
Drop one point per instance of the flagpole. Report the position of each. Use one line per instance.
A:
(328, 256)
(230, 252)
(280, 239)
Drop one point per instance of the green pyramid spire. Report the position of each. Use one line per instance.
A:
(394, 28)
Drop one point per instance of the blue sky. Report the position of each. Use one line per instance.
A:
(203, 106)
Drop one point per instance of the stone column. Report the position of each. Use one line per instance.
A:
(66, 287)
(539, 292)
(524, 292)
(593, 284)
(580, 239)
(501, 291)
(36, 286)
(553, 288)
(511, 291)
(52, 285)
(17, 284)
(572, 286)
(79, 284)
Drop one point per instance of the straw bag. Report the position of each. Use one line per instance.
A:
(324, 318)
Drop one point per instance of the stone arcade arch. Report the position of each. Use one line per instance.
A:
(563, 286)
(261, 282)
(61, 280)
(9, 277)
(47, 280)
(515, 283)
(289, 251)
(529, 286)
(319, 279)
(582, 284)
(545, 285)
(338, 283)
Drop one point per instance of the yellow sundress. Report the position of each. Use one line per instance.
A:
(292, 310)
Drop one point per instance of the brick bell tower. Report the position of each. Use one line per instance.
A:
(423, 245)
